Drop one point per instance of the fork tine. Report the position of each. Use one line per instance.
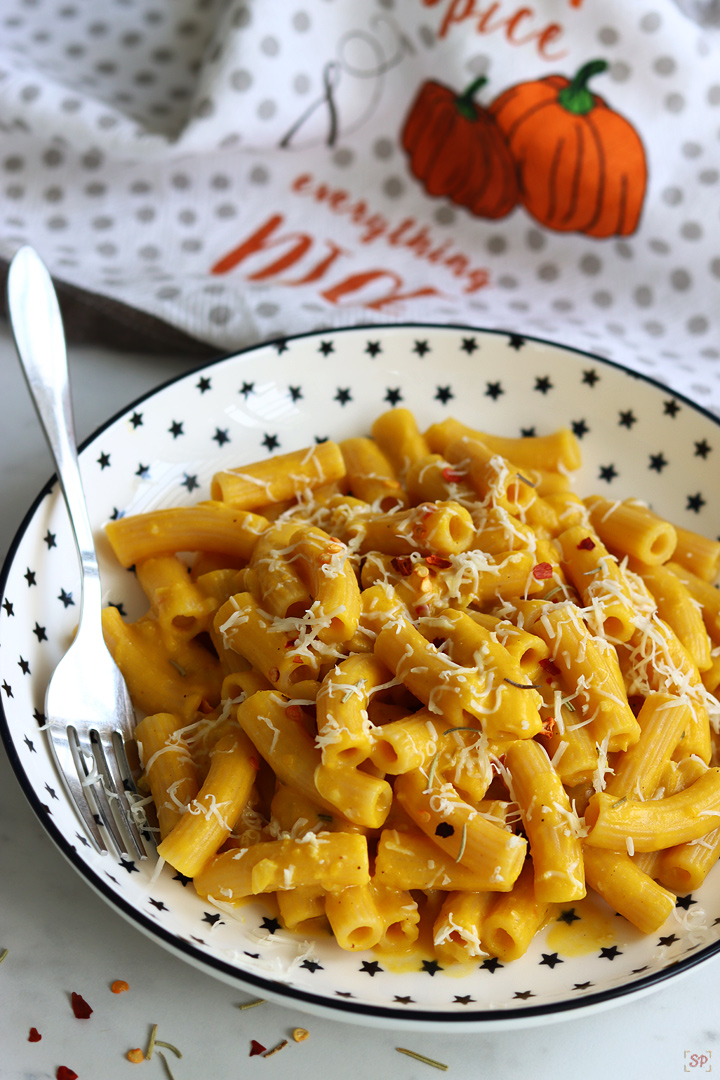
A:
(106, 757)
(94, 787)
(66, 762)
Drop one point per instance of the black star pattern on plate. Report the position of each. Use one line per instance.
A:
(373, 348)
(343, 395)
(579, 428)
(494, 390)
(136, 419)
(695, 503)
(671, 408)
(66, 598)
(212, 918)
(583, 986)
(9, 610)
(443, 394)
(269, 924)
(190, 482)
(657, 462)
(627, 419)
(104, 461)
(491, 964)
(610, 953)
(393, 396)
(50, 540)
(295, 393)
(550, 960)
(143, 471)
(685, 902)
(421, 348)
(321, 439)
(702, 448)
(590, 377)
(176, 429)
(523, 995)
(543, 384)
(201, 941)
(607, 472)
(568, 916)
(270, 442)
(404, 1000)
(29, 743)
(204, 384)
(431, 967)
(516, 342)
(117, 514)
(7, 688)
(281, 346)
(370, 967)
(344, 993)
(464, 1000)
(158, 904)
(469, 345)
(221, 436)
(51, 791)
(246, 388)
(120, 609)
(29, 576)
(182, 879)
(326, 347)
(86, 843)
(129, 865)
(39, 717)
(527, 432)
(669, 940)
(24, 666)
(40, 632)
(312, 966)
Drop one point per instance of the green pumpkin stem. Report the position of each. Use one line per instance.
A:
(576, 97)
(464, 103)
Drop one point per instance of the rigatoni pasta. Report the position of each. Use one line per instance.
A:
(414, 680)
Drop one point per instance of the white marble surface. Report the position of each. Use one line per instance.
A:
(61, 937)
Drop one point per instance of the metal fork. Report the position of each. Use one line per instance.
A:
(88, 710)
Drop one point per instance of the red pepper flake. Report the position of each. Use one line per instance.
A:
(64, 1073)
(403, 565)
(119, 986)
(294, 712)
(256, 1048)
(587, 544)
(274, 674)
(422, 610)
(548, 727)
(34, 1035)
(550, 666)
(542, 571)
(452, 475)
(80, 1007)
(438, 560)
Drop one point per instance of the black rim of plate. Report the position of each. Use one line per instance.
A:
(229, 972)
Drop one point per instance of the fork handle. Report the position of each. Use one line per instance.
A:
(40, 341)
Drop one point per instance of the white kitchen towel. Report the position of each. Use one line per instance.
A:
(248, 170)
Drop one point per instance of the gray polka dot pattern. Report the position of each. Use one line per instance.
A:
(206, 156)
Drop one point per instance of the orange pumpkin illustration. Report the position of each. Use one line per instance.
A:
(457, 151)
(580, 165)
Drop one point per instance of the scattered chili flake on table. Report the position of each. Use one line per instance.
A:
(34, 1035)
(119, 986)
(256, 1048)
(80, 1007)
(64, 1073)
(136, 1055)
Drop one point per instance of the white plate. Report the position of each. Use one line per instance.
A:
(637, 437)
